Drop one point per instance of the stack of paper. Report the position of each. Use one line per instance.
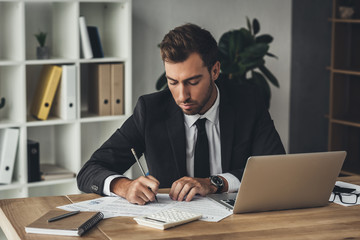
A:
(52, 172)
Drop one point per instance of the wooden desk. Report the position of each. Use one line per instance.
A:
(330, 222)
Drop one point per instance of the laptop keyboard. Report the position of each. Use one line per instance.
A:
(229, 201)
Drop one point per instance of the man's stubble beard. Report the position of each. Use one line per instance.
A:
(202, 104)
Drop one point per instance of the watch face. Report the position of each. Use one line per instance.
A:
(217, 181)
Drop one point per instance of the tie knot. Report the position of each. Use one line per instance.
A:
(200, 124)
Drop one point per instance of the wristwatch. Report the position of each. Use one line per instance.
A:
(217, 182)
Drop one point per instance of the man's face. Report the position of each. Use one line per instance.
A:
(191, 84)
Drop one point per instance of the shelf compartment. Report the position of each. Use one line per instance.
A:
(11, 41)
(58, 144)
(336, 13)
(14, 108)
(33, 73)
(111, 19)
(346, 138)
(345, 54)
(345, 100)
(86, 113)
(59, 20)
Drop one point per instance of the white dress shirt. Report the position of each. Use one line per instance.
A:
(212, 127)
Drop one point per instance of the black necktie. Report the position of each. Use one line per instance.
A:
(201, 159)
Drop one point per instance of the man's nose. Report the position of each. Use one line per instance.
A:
(183, 93)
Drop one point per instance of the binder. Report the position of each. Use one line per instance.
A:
(95, 42)
(75, 225)
(99, 89)
(33, 160)
(8, 147)
(85, 41)
(117, 89)
(45, 91)
(65, 99)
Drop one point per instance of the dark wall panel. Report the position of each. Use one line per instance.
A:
(311, 44)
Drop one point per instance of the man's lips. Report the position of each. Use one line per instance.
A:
(186, 105)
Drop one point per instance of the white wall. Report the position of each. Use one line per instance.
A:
(152, 19)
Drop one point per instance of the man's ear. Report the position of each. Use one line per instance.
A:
(215, 71)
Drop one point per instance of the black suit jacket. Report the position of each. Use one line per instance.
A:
(157, 129)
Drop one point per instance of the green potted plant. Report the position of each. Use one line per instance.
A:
(242, 52)
(42, 51)
(242, 57)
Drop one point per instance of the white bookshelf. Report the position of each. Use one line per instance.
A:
(68, 143)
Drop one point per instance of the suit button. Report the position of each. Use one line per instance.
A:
(94, 187)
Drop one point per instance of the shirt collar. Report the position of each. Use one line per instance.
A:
(212, 114)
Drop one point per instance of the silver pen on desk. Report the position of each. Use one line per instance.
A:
(141, 168)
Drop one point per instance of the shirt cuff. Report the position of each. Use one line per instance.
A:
(233, 182)
(106, 189)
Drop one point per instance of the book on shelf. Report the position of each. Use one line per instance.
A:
(95, 42)
(117, 88)
(99, 89)
(75, 225)
(53, 172)
(45, 91)
(33, 159)
(9, 138)
(85, 40)
(64, 105)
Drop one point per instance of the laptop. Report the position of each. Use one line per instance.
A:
(290, 181)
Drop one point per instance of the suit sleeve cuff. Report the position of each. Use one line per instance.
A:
(233, 182)
(106, 190)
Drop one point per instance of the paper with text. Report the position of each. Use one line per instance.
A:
(117, 206)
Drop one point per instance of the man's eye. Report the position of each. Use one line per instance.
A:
(172, 82)
(193, 83)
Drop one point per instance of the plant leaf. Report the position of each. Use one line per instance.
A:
(256, 26)
(269, 75)
(255, 51)
(248, 24)
(265, 38)
(271, 55)
(253, 64)
(161, 83)
(247, 38)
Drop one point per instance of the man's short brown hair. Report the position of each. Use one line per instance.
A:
(184, 40)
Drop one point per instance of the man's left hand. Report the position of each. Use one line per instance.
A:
(188, 187)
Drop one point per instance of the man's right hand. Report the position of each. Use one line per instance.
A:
(138, 191)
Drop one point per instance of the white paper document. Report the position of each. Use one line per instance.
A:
(117, 206)
(346, 185)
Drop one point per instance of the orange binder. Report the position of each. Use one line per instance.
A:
(117, 89)
(99, 89)
(45, 91)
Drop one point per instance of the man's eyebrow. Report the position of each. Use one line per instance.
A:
(188, 79)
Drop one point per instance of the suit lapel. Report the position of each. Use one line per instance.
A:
(176, 130)
(227, 129)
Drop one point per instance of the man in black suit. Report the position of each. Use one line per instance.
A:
(189, 156)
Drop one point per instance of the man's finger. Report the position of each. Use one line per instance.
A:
(153, 178)
(150, 182)
(191, 194)
(184, 191)
(176, 190)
